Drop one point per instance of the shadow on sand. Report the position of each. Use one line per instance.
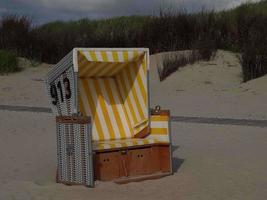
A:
(176, 162)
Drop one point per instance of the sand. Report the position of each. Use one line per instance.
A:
(210, 89)
(210, 161)
(25, 87)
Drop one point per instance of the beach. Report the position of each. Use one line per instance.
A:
(210, 161)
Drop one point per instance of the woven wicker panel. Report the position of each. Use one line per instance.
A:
(74, 153)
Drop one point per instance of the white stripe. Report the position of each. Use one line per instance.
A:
(162, 138)
(99, 56)
(140, 142)
(138, 91)
(87, 110)
(159, 124)
(98, 109)
(130, 96)
(110, 56)
(118, 145)
(120, 56)
(124, 99)
(130, 55)
(106, 146)
(88, 56)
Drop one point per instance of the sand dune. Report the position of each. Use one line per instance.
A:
(211, 89)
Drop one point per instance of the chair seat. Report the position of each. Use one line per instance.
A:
(116, 144)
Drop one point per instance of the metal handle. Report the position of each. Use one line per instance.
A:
(124, 152)
(157, 109)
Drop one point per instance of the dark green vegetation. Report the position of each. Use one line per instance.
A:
(172, 63)
(8, 62)
(243, 29)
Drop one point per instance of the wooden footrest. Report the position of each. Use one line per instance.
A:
(125, 180)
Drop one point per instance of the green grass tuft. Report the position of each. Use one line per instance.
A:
(8, 62)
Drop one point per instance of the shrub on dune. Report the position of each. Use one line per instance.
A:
(8, 62)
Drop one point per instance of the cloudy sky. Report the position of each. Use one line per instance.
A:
(48, 10)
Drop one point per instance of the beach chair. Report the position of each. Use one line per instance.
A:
(130, 141)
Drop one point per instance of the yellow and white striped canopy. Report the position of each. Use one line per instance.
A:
(113, 90)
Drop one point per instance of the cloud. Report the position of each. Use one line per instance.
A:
(47, 10)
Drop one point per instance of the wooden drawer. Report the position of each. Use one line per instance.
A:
(132, 162)
(139, 161)
(107, 166)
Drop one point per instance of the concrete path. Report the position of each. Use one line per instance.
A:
(199, 120)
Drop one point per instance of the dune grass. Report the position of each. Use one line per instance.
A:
(240, 30)
(8, 62)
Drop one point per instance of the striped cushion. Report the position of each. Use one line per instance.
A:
(114, 144)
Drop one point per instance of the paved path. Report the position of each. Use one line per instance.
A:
(220, 121)
(201, 120)
(25, 108)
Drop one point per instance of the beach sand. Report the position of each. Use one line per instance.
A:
(210, 161)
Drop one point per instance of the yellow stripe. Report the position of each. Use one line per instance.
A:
(112, 145)
(93, 56)
(145, 141)
(131, 82)
(123, 144)
(115, 56)
(82, 63)
(108, 69)
(137, 87)
(156, 140)
(118, 68)
(159, 131)
(140, 83)
(127, 98)
(104, 109)
(82, 60)
(144, 64)
(124, 109)
(87, 72)
(134, 142)
(100, 146)
(101, 66)
(93, 110)
(114, 108)
(115, 64)
(159, 118)
(104, 56)
(136, 55)
(125, 56)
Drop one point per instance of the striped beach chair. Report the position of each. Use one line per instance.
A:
(130, 141)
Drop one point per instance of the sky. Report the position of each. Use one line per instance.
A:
(42, 11)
